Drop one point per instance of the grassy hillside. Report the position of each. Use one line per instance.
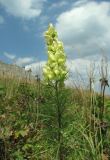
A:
(29, 125)
(12, 71)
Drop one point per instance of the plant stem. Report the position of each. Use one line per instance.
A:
(58, 118)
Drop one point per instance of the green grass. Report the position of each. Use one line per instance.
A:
(28, 123)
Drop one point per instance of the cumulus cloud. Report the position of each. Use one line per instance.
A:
(24, 61)
(81, 66)
(85, 28)
(25, 9)
(36, 67)
(79, 70)
(58, 4)
(10, 56)
(20, 61)
(1, 20)
(80, 2)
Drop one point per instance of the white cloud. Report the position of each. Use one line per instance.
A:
(24, 61)
(75, 66)
(20, 61)
(25, 9)
(10, 56)
(36, 67)
(85, 28)
(80, 2)
(79, 70)
(1, 20)
(58, 4)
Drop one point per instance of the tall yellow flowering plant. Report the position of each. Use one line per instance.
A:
(55, 72)
(55, 69)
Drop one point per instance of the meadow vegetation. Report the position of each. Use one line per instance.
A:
(42, 119)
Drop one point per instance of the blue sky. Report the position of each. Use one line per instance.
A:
(83, 26)
(21, 34)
